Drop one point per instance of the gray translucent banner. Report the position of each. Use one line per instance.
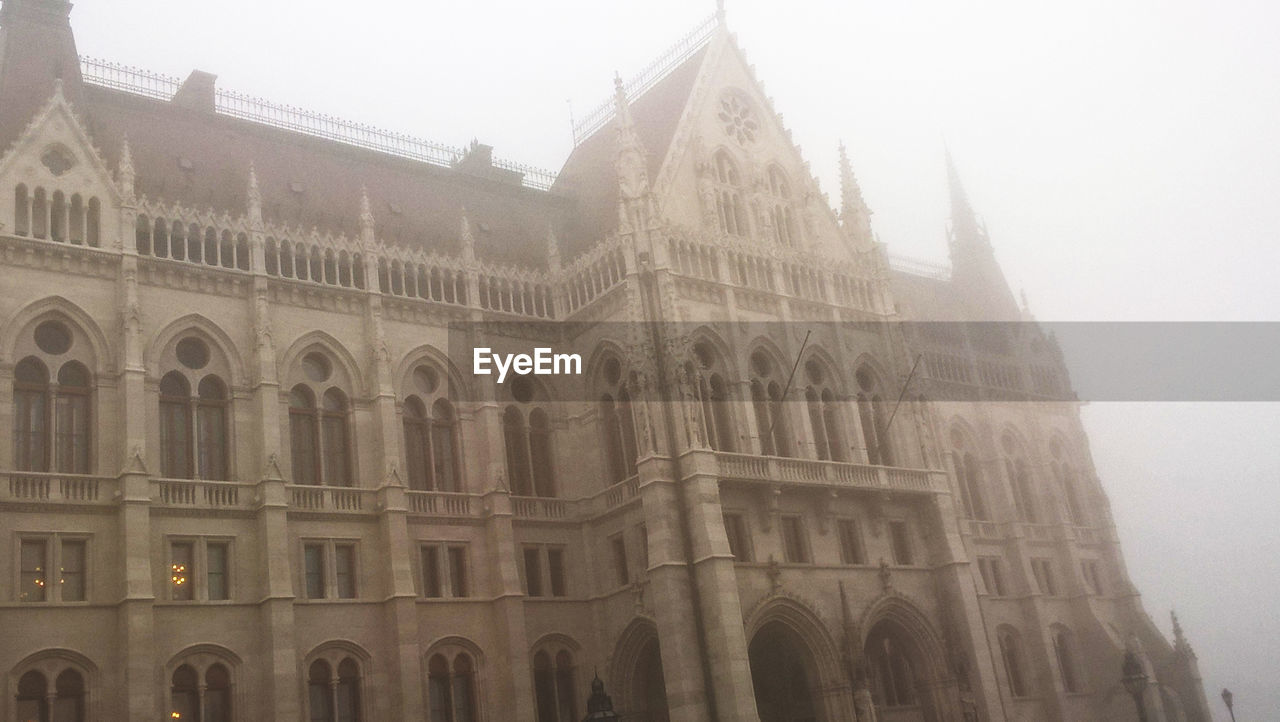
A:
(960, 361)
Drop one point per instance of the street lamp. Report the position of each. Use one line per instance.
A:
(1135, 681)
(1226, 697)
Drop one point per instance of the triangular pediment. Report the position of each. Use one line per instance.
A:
(728, 112)
(56, 153)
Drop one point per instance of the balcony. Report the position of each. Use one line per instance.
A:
(195, 494)
(831, 474)
(32, 487)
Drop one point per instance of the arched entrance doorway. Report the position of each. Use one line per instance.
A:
(783, 674)
(648, 691)
(895, 669)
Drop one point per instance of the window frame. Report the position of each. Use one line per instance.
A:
(199, 574)
(743, 532)
(53, 551)
(859, 552)
(440, 552)
(329, 569)
(801, 553)
(904, 555)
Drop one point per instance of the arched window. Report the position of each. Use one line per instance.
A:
(37, 702)
(1069, 482)
(969, 475)
(554, 686)
(1011, 656)
(874, 417)
(781, 215)
(319, 433)
(433, 448)
(217, 694)
(824, 414)
(1065, 654)
(730, 209)
(175, 426)
(617, 422)
(335, 689)
(527, 436)
(40, 215)
(51, 420)
(1015, 462)
(194, 426)
(713, 395)
(184, 694)
(451, 688)
(772, 422)
(31, 395)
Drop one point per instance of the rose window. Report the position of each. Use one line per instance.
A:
(738, 120)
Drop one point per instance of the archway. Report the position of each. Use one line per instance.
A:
(896, 674)
(783, 674)
(648, 690)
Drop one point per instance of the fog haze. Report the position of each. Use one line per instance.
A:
(1124, 155)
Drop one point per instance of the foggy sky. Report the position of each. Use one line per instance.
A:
(1125, 156)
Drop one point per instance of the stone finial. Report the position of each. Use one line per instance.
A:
(255, 197)
(125, 176)
(1180, 643)
(854, 214)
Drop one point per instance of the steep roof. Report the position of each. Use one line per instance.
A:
(201, 159)
(588, 175)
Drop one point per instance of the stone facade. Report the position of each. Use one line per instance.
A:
(245, 434)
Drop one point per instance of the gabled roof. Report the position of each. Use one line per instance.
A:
(588, 175)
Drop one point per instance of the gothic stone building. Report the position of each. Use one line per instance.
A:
(250, 475)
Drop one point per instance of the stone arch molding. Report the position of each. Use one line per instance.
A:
(621, 669)
(51, 663)
(901, 610)
(432, 356)
(201, 325)
(337, 350)
(800, 618)
(68, 311)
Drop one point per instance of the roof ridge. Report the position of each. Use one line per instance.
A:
(157, 86)
(651, 75)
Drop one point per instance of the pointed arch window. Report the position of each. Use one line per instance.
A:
(730, 208)
(1011, 656)
(825, 421)
(969, 476)
(451, 688)
(1069, 483)
(780, 204)
(1019, 473)
(874, 418)
(319, 426)
(893, 683)
(713, 396)
(772, 423)
(617, 423)
(51, 421)
(1064, 653)
(431, 445)
(526, 431)
(334, 697)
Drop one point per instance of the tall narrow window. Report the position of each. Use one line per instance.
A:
(851, 549)
(772, 421)
(217, 694)
(72, 570)
(795, 548)
(515, 437)
(314, 571)
(874, 418)
(431, 585)
(175, 426)
(900, 543)
(182, 571)
(463, 690)
(566, 694)
(216, 570)
(618, 545)
(540, 453)
(302, 428)
(1066, 664)
(544, 688)
(532, 572)
(735, 528)
(319, 695)
(211, 429)
(31, 416)
(417, 444)
(348, 692)
(730, 210)
(894, 683)
(1015, 461)
(457, 570)
(1011, 655)
(185, 694)
(33, 580)
(344, 559)
(21, 211)
(72, 414)
(33, 697)
(68, 702)
(446, 473)
(334, 440)
(555, 570)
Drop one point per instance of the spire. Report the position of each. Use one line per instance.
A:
(366, 218)
(964, 223)
(855, 217)
(1180, 644)
(255, 198)
(124, 171)
(973, 261)
(631, 165)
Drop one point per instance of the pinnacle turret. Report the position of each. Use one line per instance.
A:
(254, 197)
(973, 261)
(855, 217)
(366, 218)
(125, 176)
